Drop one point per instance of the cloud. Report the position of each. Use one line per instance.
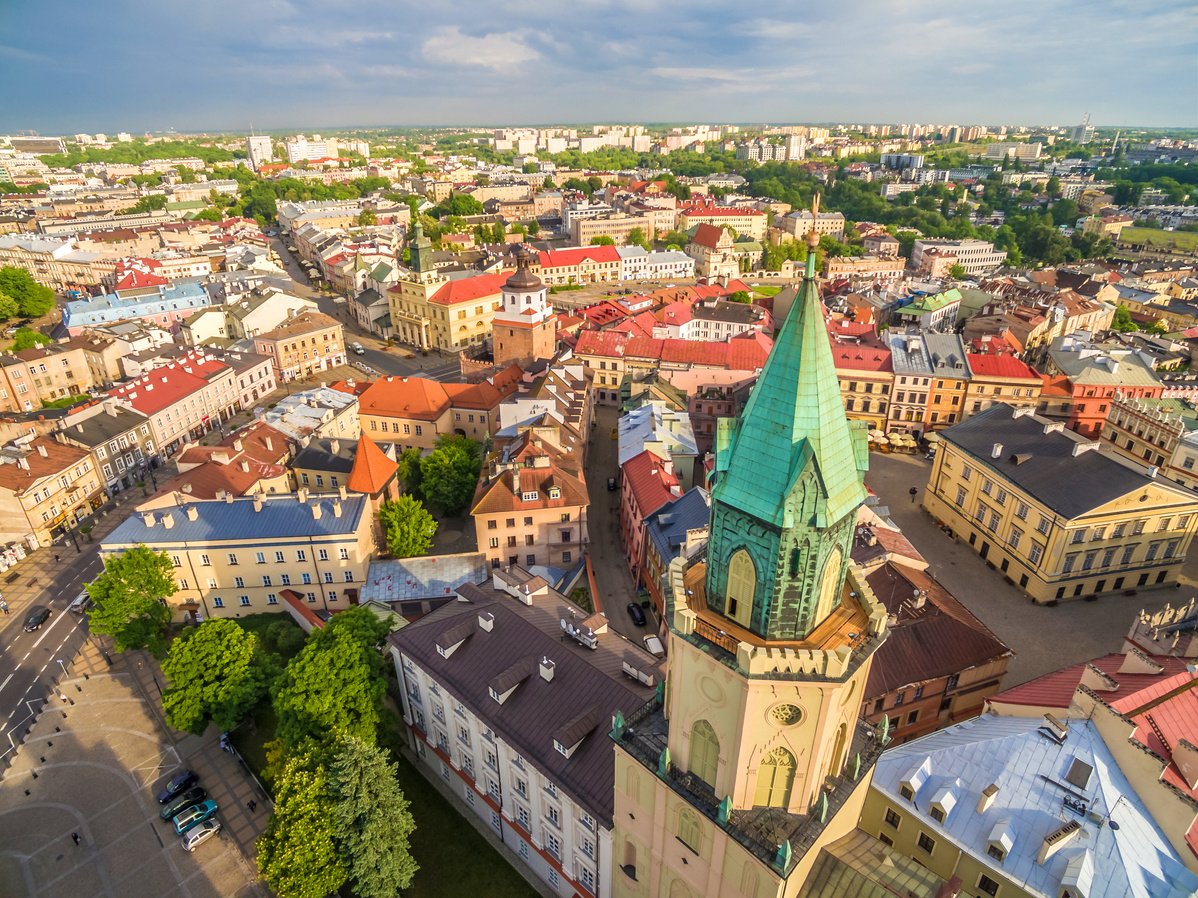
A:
(500, 51)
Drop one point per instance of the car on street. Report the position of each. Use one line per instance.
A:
(181, 780)
(637, 613)
(80, 603)
(37, 616)
(194, 838)
(653, 646)
(611, 484)
(182, 802)
(357, 348)
(194, 816)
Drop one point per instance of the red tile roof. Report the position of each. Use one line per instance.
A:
(134, 280)
(606, 343)
(404, 397)
(1007, 366)
(58, 457)
(163, 387)
(372, 469)
(1055, 690)
(708, 235)
(860, 357)
(650, 484)
(470, 289)
(567, 258)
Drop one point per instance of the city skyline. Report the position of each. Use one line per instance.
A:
(292, 64)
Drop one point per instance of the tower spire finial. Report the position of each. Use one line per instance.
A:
(813, 235)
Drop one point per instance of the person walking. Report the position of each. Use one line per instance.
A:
(75, 838)
(252, 805)
(3, 606)
(57, 558)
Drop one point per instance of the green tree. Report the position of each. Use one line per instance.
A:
(458, 204)
(1122, 321)
(408, 526)
(602, 240)
(33, 300)
(529, 168)
(332, 686)
(130, 599)
(741, 296)
(367, 217)
(151, 203)
(676, 238)
(636, 237)
(217, 673)
(958, 273)
(409, 471)
(534, 228)
(297, 854)
(10, 309)
(450, 473)
(498, 233)
(372, 819)
(27, 338)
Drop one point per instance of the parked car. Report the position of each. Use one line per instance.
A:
(636, 613)
(194, 816)
(183, 779)
(194, 838)
(357, 348)
(611, 484)
(182, 802)
(37, 616)
(654, 647)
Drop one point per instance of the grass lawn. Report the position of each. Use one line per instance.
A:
(455, 861)
(1186, 241)
(68, 401)
(767, 290)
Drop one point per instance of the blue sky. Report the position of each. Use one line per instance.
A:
(136, 65)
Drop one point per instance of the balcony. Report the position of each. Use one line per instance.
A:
(760, 830)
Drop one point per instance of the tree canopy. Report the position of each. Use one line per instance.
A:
(217, 673)
(130, 599)
(27, 338)
(450, 473)
(408, 526)
(32, 299)
(372, 818)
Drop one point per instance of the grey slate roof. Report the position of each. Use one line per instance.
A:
(1048, 470)
(908, 354)
(583, 681)
(318, 455)
(99, 429)
(667, 526)
(282, 516)
(947, 354)
(426, 577)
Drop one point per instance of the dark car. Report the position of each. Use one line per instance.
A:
(636, 613)
(182, 802)
(184, 779)
(37, 616)
(611, 484)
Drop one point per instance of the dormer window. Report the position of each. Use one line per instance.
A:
(555, 492)
(529, 495)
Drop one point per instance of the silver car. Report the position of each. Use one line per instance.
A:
(194, 838)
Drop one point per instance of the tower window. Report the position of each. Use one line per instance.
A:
(794, 563)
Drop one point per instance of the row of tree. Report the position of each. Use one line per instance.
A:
(339, 816)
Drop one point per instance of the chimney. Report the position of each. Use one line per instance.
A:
(342, 492)
(316, 510)
(228, 498)
(335, 447)
(41, 450)
(986, 799)
(258, 502)
(486, 621)
(516, 480)
(168, 520)
(238, 445)
(547, 669)
(336, 508)
(270, 444)
(302, 494)
(245, 466)
(79, 427)
(1058, 839)
(192, 513)
(996, 451)
(110, 408)
(148, 518)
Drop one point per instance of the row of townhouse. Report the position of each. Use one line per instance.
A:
(47, 488)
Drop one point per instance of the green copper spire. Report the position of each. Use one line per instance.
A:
(419, 247)
(788, 484)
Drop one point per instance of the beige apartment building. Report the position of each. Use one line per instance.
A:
(1053, 515)
(531, 506)
(53, 262)
(43, 374)
(46, 488)
(617, 227)
(412, 412)
(1162, 433)
(1000, 379)
(234, 557)
(302, 346)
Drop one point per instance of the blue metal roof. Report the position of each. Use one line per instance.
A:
(281, 517)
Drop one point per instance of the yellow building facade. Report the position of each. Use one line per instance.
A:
(1051, 513)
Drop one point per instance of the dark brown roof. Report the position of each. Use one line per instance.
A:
(538, 711)
(936, 640)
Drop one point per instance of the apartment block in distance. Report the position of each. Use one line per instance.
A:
(306, 344)
(1053, 515)
(237, 556)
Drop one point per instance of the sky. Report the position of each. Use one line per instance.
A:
(70, 66)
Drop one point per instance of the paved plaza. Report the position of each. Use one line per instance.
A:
(1043, 638)
(88, 766)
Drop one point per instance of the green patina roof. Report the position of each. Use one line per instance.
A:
(794, 413)
(931, 303)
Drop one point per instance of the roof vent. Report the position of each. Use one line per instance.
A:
(148, 519)
(486, 621)
(547, 668)
(168, 521)
(1055, 730)
(996, 451)
(192, 513)
(1058, 839)
(316, 511)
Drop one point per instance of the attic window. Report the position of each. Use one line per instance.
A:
(529, 496)
(555, 492)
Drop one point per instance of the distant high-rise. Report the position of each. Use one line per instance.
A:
(260, 149)
(1083, 133)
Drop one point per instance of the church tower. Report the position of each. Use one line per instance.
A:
(408, 299)
(524, 330)
(754, 758)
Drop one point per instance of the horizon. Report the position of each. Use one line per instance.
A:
(289, 64)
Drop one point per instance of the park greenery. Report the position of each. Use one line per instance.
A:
(449, 474)
(22, 296)
(137, 151)
(408, 527)
(129, 598)
(27, 338)
(218, 672)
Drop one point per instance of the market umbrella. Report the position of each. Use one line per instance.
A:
(933, 438)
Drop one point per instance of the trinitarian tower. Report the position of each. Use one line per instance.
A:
(524, 330)
(753, 757)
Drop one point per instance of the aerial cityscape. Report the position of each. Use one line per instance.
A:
(450, 453)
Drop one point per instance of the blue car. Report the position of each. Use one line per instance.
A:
(194, 816)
